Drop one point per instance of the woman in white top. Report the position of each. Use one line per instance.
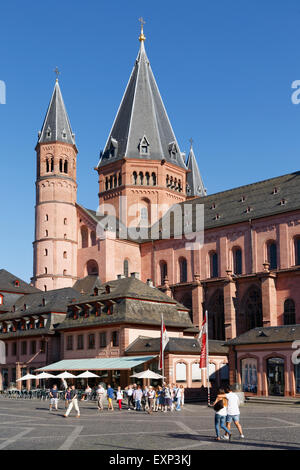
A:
(220, 407)
(119, 397)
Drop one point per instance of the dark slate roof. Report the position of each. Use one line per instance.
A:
(195, 186)
(55, 301)
(270, 334)
(26, 333)
(87, 284)
(7, 283)
(175, 345)
(141, 115)
(57, 121)
(264, 198)
(133, 302)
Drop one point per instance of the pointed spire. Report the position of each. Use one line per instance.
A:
(142, 117)
(56, 126)
(195, 186)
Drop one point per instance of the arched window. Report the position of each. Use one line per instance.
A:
(106, 184)
(252, 305)
(65, 255)
(47, 166)
(65, 272)
(60, 165)
(147, 175)
(92, 267)
(120, 179)
(297, 250)
(187, 301)
(141, 178)
(134, 177)
(52, 165)
(183, 270)
(216, 328)
(110, 181)
(180, 372)
(214, 264)
(115, 181)
(84, 237)
(272, 254)
(66, 166)
(289, 316)
(237, 261)
(196, 372)
(46, 252)
(249, 375)
(153, 179)
(93, 238)
(126, 268)
(163, 271)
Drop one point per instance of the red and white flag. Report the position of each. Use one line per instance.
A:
(164, 339)
(202, 338)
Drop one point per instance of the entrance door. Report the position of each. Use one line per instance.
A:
(276, 376)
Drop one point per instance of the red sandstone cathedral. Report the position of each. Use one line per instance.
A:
(101, 297)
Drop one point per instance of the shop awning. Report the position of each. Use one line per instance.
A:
(107, 363)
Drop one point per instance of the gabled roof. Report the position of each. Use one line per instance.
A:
(141, 115)
(146, 344)
(270, 334)
(8, 283)
(195, 186)
(56, 126)
(87, 284)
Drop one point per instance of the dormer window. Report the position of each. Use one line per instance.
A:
(64, 134)
(173, 150)
(48, 132)
(113, 148)
(144, 146)
(17, 283)
(275, 190)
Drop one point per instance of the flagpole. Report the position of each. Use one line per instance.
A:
(207, 362)
(162, 350)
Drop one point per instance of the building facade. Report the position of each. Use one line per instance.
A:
(246, 273)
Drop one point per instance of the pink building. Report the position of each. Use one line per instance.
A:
(246, 274)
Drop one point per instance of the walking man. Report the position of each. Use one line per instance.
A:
(110, 396)
(233, 411)
(130, 397)
(53, 398)
(73, 402)
(100, 396)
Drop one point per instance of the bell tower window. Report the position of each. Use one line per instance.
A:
(173, 150)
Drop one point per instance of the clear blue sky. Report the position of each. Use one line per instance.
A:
(224, 69)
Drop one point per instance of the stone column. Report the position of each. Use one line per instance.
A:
(197, 301)
(269, 297)
(18, 376)
(229, 309)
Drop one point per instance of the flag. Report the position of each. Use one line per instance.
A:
(202, 338)
(164, 339)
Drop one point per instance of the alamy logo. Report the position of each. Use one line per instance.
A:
(2, 92)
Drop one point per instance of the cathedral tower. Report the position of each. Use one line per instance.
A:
(55, 245)
(141, 159)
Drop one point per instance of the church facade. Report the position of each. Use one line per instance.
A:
(246, 273)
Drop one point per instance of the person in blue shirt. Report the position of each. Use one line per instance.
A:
(110, 396)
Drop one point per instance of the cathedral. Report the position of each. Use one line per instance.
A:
(97, 293)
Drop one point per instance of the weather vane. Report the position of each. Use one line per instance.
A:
(142, 36)
(191, 142)
(57, 72)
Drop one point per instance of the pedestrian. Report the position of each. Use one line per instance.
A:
(145, 398)
(167, 397)
(100, 393)
(110, 396)
(137, 396)
(151, 399)
(182, 395)
(178, 398)
(233, 411)
(73, 402)
(119, 398)
(88, 392)
(53, 398)
(220, 407)
(67, 396)
(129, 392)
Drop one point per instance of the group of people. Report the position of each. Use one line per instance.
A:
(168, 397)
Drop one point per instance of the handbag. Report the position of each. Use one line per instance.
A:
(219, 405)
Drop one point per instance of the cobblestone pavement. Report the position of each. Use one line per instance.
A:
(28, 424)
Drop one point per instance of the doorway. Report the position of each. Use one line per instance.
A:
(275, 374)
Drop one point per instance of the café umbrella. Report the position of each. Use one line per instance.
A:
(66, 375)
(27, 377)
(147, 374)
(87, 375)
(44, 375)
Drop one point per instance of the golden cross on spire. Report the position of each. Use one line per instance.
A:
(142, 36)
(191, 142)
(57, 72)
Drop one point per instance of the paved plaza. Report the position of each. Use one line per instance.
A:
(28, 424)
